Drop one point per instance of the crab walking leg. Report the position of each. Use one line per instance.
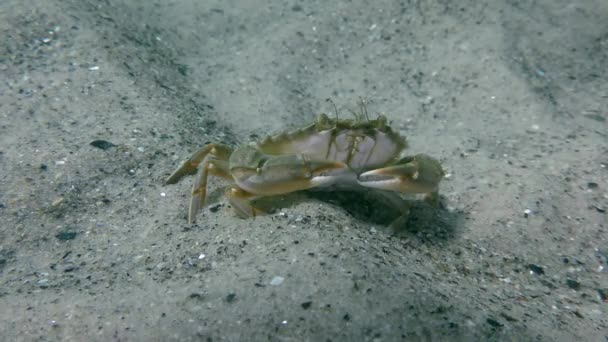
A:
(241, 202)
(399, 204)
(199, 189)
(217, 151)
(433, 199)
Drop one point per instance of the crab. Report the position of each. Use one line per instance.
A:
(358, 154)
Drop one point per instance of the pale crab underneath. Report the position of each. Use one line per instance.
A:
(329, 153)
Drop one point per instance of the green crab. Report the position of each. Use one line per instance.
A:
(329, 153)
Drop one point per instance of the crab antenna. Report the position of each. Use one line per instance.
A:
(335, 108)
(363, 107)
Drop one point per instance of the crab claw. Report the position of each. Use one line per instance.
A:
(414, 174)
(286, 173)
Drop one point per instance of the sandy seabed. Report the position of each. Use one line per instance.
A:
(511, 96)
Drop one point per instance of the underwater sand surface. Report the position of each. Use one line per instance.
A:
(101, 100)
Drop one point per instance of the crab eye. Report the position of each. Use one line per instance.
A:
(322, 119)
(323, 122)
(261, 164)
(381, 122)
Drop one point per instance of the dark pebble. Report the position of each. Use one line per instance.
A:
(536, 269)
(43, 167)
(102, 144)
(65, 236)
(603, 294)
(592, 185)
(346, 317)
(231, 297)
(215, 208)
(306, 305)
(596, 117)
(573, 284)
(196, 295)
(494, 323)
(508, 317)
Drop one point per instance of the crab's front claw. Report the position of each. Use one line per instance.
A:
(277, 175)
(414, 174)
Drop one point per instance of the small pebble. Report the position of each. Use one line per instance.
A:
(215, 208)
(527, 213)
(231, 297)
(65, 236)
(493, 322)
(57, 201)
(102, 144)
(276, 281)
(201, 257)
(603, 294)
(535, 269)
(573, 284)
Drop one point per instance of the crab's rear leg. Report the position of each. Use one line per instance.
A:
(419, 174)
(215, 167)
(189, 166)
(395, 201)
